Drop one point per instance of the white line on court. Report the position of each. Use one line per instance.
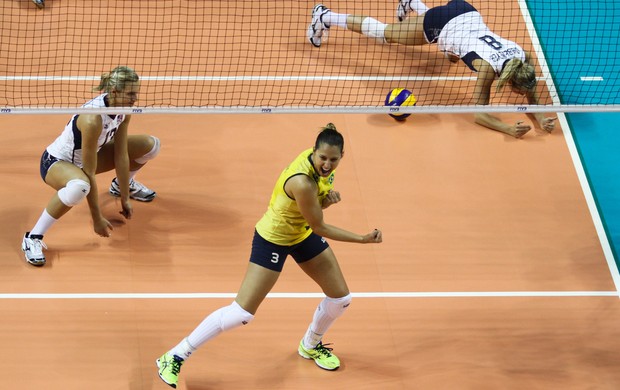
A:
(583, 180)
(479, 294)
(587, 192)
(591, 78)
(544, 67)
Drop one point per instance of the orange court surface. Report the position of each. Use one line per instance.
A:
(478, 227)
(492, 273)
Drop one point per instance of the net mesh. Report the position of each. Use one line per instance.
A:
(248, 55)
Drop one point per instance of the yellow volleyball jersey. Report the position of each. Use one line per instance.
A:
(283, 223)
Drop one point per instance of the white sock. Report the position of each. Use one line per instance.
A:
(324, 316)
(333, 19)
(43, 224)
(419, 7)
(183, 350)
(312, 339)
(224, 318)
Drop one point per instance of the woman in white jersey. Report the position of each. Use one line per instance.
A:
(460, 33)
(91, 144)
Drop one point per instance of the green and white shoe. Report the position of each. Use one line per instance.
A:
(169, 368)
(322, 356)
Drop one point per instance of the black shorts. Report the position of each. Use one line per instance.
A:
(272, 256)
(437, 17)
(47, 160)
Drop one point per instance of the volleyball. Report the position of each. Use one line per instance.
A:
(400, 97)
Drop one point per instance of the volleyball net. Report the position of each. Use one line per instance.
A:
(253, 56)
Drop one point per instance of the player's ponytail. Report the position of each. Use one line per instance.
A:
(329, 135)
(329, 126)
(520, 74)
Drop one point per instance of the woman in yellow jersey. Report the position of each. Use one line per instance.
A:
(293, 225)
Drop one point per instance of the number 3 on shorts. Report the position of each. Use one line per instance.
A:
(275, 258)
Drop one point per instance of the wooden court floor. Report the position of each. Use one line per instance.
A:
(491, 274)
(465, 211)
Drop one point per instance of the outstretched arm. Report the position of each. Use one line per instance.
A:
(91, 127)
(482, 96)
(121, 165)
(543, 122)
(304, 191)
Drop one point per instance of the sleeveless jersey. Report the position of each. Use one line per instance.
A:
(283, 223)
(68, 145)
(469, 38)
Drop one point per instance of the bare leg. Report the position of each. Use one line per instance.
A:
(137, 146)
(57, 177)
(324, 270)
(409, 33)
(257, 283)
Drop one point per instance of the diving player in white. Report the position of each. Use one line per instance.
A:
(460, 33)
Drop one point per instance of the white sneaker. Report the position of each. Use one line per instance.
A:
(404, 7)
(137, 191)
(33, 245)
(317, 30)
(39, 3)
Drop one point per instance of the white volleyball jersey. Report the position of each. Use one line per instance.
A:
(68, 145)
(469, 38)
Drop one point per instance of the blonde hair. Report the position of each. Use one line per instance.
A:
(520, 74)
(117, 79)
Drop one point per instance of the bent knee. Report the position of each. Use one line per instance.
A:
(233, 316)
(152, 153)
(73, 192)
(335, 307)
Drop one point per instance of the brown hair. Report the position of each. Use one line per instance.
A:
(330, 136)
(520, 74)
(117, 79)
